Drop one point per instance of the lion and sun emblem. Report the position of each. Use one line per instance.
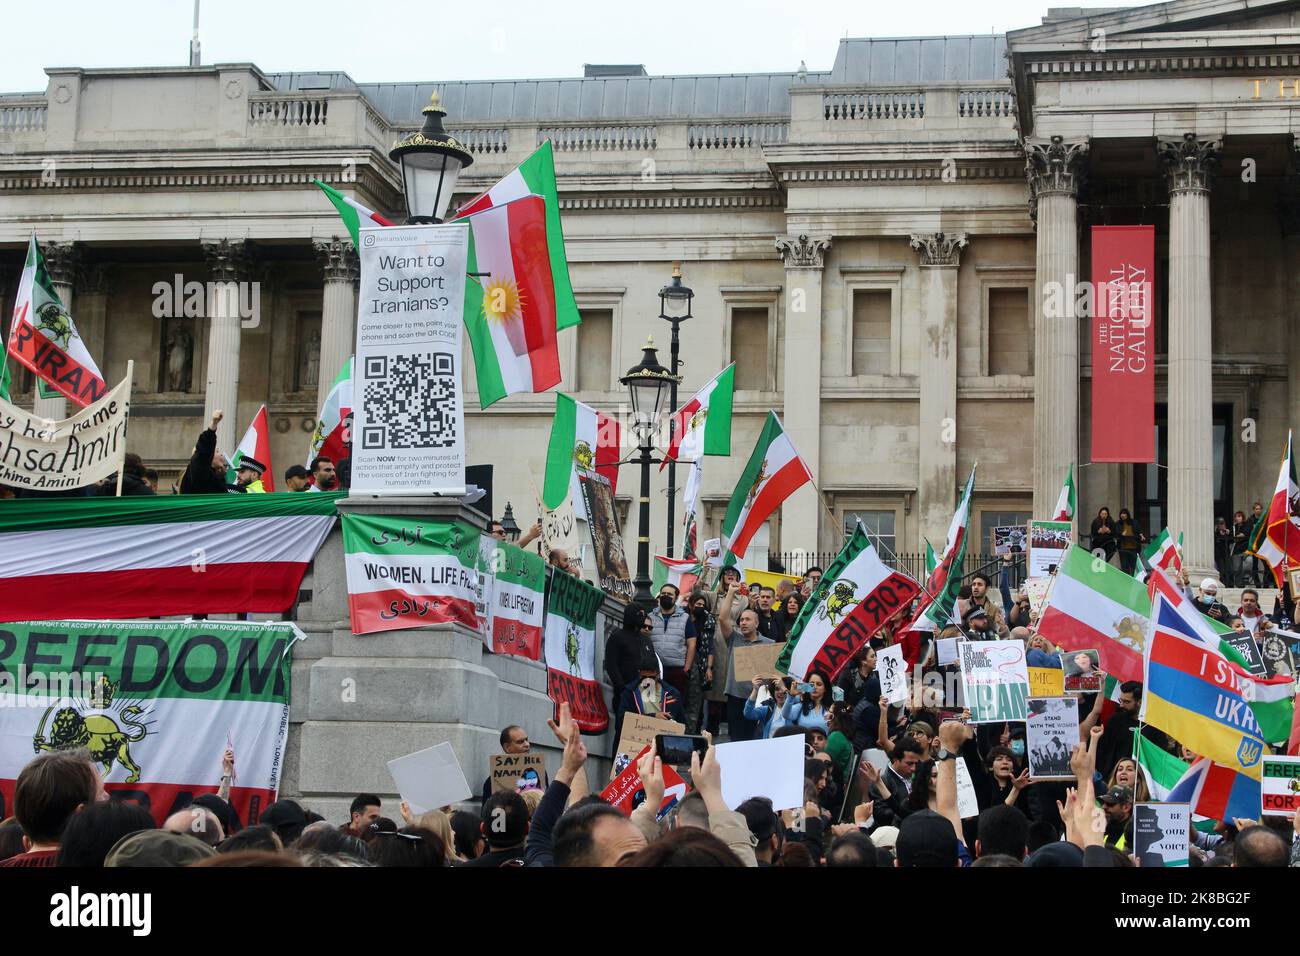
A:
(100, 734)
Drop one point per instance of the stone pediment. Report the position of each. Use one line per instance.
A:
(1162, 22)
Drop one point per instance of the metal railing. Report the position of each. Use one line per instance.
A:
(796, 563)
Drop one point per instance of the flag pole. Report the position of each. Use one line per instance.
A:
(121, 465)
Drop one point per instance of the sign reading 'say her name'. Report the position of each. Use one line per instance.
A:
(408, 434)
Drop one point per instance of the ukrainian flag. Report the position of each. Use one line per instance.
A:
(1194, 694)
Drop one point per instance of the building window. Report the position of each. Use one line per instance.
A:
(595, 350)
(872, 329)
(749, 348)
(879, 526)
(997, 519)
(1009, 332)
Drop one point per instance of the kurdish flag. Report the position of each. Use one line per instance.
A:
(353, 213)
(335, 418)
(1277, 536)
(43, 337)
(943, 583)
(1068, 500)
(255, 444)
(176, 554)
(859, 600)
(703, 425)
(155, 701)
(570, 649)
(535, 176)
(681, 573)
(1095, 604)
(582, 439)
(1193, 693)
(511, 324)
(1218, 792)
(773, 473)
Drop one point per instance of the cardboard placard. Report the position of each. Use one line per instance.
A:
(1161, 834)
(517, 771)
(430, 779)
(1046, 681)
(625, 792)
(639, 731)
(756, 661)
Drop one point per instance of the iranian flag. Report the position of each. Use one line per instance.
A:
(335, 416)
(1068, 499)
(1162, 553)
(255, 444)
(943, 583)
(582, 440)
(691, 500)
(1096, 605)
(1277, 536)
(157, 555)
(515, 607)
(570, 648)
(681, 573)
(43, 338)
(510, 309)
(856, 603)
(404, 572)
(353, 213)
(535, 176)
(773, 473)
(155, 702)
(703, 425)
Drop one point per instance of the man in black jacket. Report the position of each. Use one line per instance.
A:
(206, 472)
(897, 779)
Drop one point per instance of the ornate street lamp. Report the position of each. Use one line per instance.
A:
(675, 301)
(648, 382)
(509, 525)
(431, 161)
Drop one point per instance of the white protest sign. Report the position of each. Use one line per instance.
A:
(42, 454)
(1051, 731)
(1161, 834)
(409, 427)
(876, 757)
(559, 527)
(947, 650)
(430, 779)
(763, 768)
(968, 804)
(994, 679)
(892, 670)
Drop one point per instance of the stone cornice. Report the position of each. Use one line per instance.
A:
(1190, 163)
(907, 173)
(191, 180)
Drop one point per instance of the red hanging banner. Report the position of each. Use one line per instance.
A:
(1123, 344)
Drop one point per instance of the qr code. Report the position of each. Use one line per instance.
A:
(410, 401)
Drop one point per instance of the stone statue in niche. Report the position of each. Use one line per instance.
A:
(311, 361)
(179, 358)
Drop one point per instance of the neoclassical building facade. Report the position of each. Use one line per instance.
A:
(869, 244)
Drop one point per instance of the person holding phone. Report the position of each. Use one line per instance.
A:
(764, 705)
(809, 703)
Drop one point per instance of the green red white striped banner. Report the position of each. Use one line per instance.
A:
(143, 556)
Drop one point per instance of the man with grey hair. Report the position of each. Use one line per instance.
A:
(199, 822)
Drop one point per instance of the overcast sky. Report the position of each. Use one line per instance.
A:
(394, 40)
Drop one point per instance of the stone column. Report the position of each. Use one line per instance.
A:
(1190, 164)
(937, 441)
(339, 312)
(1055, 169)
(227, 265)
(63, 263)
(804, 258)
(92, 313)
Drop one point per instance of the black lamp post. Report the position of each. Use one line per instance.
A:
(431, 161)
(509, 525)
(675, 302)
(647, 382)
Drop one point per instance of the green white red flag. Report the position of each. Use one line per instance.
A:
(510, 309)
(255, 444)
(1163, 553)
(1068, 500)
(535, 176)
(335, 418)
(158, 555)
(691, 502)
(773, 473)
(703, 425)
(570, 648)
(516, 601)
(353, 213)
(157, 702)
(582, 440)
(1277, 536)
(943, 583)
(44, 338)
(406, 572)
(681, 573)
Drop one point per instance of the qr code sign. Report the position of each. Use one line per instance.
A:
(410, 401)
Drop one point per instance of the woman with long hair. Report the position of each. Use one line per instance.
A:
(1127, 774)
(1129, 538)
(809, 703)
(1103, 534)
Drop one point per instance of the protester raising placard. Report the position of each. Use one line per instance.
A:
(1051, 731)
(994, 678)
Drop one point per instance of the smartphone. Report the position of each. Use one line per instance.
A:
(804, 688)
(676, 749)
(837, 694)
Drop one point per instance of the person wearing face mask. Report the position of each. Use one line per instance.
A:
(1207, 601)
(697, 676)
(673, 632)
